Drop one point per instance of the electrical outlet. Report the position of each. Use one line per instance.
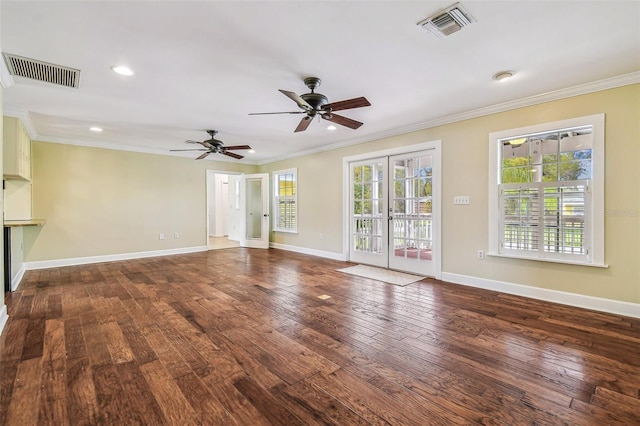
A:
(461, 199)
(176, 235)
(481, 254)
(161, 236)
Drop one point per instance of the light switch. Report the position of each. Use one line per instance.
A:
(461, 199)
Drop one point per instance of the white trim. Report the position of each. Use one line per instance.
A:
(548, 259)
(44, 264)
(581, 89)
(3, 317)
(437, 190)
(312, 252)
(565, 298)
(6, 80)
(275, 211)
(597, 205)
(15, 281)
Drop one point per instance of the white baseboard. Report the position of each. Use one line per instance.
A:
(3, 317)
(572, 299)
(15, 281)
(312, 252)
(43, 264)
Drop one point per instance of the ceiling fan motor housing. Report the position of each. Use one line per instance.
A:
(316, 100)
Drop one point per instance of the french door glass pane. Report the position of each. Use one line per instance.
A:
(412, 207)
(367, 208)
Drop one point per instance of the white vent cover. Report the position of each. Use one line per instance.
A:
(42, 71)
(447, 21)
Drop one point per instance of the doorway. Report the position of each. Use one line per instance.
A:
(394, 209)
(223, 230)
(237, 210)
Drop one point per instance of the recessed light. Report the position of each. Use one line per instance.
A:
(503, 75)
(95, 129)
(252, 151)
(122, 70)
(331, 127)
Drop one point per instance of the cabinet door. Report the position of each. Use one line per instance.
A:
(24, 159)
(16, 150)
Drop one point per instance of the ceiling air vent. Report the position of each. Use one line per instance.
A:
(42, 71)
(447, 21)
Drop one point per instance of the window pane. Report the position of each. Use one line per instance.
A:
(521, 217)
(517, 174)
(285, 202)
(357, 174)
(367, 174)
(564, 219)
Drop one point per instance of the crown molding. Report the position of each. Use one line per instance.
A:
(128, 148)
(6, 80)
(582, 89)
(24, 117)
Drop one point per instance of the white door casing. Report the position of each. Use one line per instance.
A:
(254, 209)
(392, 208)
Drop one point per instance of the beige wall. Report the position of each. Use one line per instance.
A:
(100, 202)
(465, 172)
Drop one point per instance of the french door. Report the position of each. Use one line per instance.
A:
(254, 208)
(394, 202)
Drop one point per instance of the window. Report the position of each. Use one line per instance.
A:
(547, 192)
(285, 218)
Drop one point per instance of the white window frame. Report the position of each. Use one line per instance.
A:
(594, 232)
(277, 198)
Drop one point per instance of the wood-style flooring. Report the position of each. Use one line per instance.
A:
(239, 336)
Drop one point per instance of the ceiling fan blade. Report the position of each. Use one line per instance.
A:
(348, 104)
(232, 154)
(237, 147)
(343, 121)
(206, 143)
(270, 113)
(304, 123)
(203, 155)
(188, 150)
(297, 99)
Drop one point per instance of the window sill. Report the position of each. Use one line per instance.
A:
(549, 260)
(284, 231)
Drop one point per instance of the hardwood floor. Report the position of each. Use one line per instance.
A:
(239, 336)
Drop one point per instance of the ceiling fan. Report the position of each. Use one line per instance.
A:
(215, 146)
(316, 104)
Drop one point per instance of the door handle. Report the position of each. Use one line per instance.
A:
(266, 215)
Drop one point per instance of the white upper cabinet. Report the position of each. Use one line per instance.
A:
(16, 150)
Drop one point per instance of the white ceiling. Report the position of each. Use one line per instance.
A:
(207, 64)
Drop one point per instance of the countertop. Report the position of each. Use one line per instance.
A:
(25, 222)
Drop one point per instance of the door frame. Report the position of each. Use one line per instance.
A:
(436, 146)
(212, 172)
(265, 211)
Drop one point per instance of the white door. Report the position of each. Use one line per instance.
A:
(234, 218)
(411, 218)
(254, 207)
(368, 219)
(394, 212)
